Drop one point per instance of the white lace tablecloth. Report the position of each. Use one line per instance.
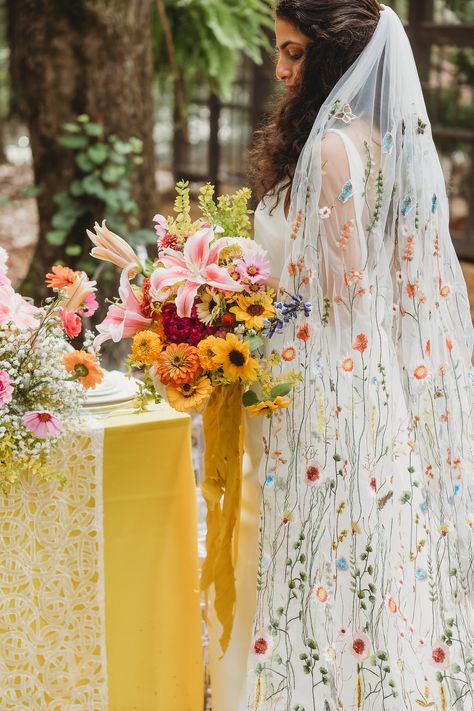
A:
(52, 623)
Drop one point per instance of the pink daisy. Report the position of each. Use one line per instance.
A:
(42, 424)
(253, 267)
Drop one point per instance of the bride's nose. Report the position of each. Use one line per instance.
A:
(282, 70)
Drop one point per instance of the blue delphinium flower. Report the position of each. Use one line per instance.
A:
(342, 564)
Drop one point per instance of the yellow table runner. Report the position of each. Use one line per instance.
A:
(153, 619)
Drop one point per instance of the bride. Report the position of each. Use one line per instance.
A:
(355, 565)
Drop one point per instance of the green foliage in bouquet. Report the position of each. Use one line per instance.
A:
(229, 213)
(209, 37)
(106, 164)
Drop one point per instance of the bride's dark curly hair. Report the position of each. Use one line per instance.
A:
(338, 31)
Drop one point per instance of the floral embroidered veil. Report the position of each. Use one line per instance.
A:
(387, 369)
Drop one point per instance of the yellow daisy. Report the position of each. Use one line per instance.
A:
(268, 406)
(234, 357)
(146, 347)
(253, 309)
(206, 353)
(189, 395)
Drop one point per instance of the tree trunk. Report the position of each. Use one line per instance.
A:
(84, 56)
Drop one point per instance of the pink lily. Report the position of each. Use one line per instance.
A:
(123, 320)
(196, 266)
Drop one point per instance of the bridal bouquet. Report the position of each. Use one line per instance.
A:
(43, 379)
(201, 309)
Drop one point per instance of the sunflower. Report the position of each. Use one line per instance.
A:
(189, 395)
(146, 347)
(211, 306)
(268, 406)
(178, 364)
(234, 357)
(207, 353)
(253, 309)
(84, 367)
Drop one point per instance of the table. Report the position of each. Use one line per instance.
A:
(152, 601)
(135, 473)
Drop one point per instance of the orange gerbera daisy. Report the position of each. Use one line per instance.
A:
(60, 277)
(84, 367)
(178, 364)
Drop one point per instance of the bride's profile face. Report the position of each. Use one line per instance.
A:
(290, 46)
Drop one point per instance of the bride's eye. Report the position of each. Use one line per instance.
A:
(295, 57)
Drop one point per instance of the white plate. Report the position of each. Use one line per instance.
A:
(115, 388)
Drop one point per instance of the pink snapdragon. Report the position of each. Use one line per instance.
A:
(6, 389)
(42, 424)
(196, 266)
(16, 310)
(125, 319)
(70, 322)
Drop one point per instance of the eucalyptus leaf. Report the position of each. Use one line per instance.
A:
(255, 342)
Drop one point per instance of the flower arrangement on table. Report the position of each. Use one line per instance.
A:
(43, 379)
(202, 309)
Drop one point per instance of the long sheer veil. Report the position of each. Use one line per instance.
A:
(384, 408)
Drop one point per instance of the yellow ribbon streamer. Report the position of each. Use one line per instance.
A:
(222, 489)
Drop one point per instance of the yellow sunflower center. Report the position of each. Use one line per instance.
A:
(236, 358)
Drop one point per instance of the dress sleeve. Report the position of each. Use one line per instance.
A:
(342, 219)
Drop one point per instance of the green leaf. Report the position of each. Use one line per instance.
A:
(255, 342)
(76, 188)
(71, 127)
(30, 191)
(74, 142)
(136, 144)
(73, 250)
(98, 153)
(5, 201)
(113, 173)
(84, 163)
(280, 390)
(93, 129)
(92, 185)
(83, 118)
(250, 398)
(123, 147)
(56, 237)
(63, 221)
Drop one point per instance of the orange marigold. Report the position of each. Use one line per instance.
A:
(60, 277)
(178, 364)
(84, 367)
